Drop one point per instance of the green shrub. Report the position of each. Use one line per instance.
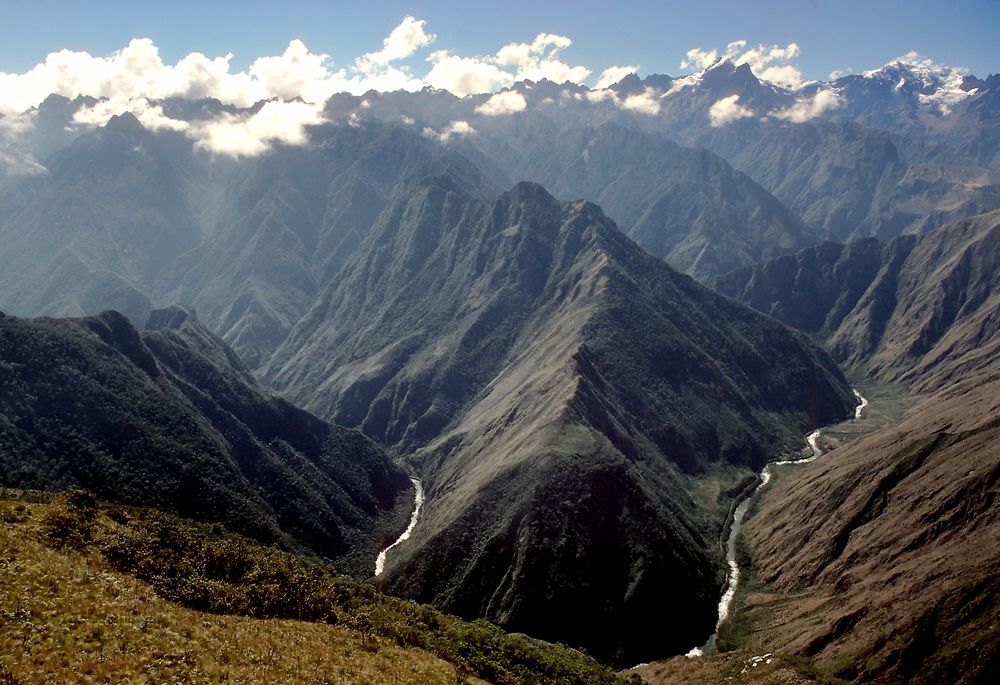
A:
(194, 566)
(70, 519)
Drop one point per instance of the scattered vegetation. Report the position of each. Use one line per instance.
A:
(202, 568)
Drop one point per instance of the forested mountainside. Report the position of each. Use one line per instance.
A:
(170, 418)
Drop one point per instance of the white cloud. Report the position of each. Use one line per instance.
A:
(137, 75)
(402, 42)
(644, 103)
(702, 59)
(296, 73)
(137, 71)
(150, 116)
(840, 73)
(20, 164)
(613, 75)
(726, 111)
(276, 121)
(699, 59)
(769, 62)
(465, 75)
(16, 125)
(761, 56)
(805, 109)
(456, 129)
(785, 75)
(132, 72)
(15, 161)
(507, 102)
(533, 61)
(538, 60)
(596, 95)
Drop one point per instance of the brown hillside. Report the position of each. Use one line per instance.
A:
(884, 556)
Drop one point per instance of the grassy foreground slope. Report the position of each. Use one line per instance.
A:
(85, 596)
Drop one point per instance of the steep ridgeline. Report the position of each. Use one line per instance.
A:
(97, 231)
(292, 219)
(564, 392)
(170, 418)
(685, 205)
(848, 182)
(921, 310)
(131, 219)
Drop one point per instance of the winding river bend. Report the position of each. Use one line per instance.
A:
(418, 501)
(733, 575)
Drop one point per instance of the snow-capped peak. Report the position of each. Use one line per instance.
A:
(936, 85)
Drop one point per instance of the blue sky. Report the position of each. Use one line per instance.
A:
(654, 35)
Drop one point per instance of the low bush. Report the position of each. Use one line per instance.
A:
(70, 519)
(195, 566)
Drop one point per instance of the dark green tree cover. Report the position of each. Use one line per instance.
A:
(160, 418)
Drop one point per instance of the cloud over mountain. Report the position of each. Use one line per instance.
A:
(727, 110)
(507, 102)
(806, 109)
(770, 62)
(282, 95)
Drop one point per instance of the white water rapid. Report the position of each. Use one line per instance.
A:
(418, 501)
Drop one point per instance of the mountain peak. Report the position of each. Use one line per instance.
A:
(172, 317)
(128, 127)
(530, 191)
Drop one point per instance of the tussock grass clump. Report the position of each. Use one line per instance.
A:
(70, 520)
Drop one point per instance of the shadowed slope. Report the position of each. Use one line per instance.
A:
(559, 384)
(170, 418)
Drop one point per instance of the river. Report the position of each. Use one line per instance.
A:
(733, 574)
(418, 502)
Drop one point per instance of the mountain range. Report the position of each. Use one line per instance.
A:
(584, 318)
(919, 310)
(557, 385)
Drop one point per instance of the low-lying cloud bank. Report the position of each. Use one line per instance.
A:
(294, 86)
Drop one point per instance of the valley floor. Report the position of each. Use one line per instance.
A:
(745, 657)
(878, 562)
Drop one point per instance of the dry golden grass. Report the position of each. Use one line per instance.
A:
(731, 667)
(69, 618)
